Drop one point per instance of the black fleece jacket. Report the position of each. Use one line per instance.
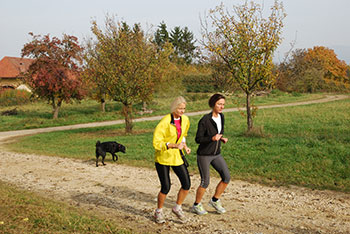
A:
(206, 130)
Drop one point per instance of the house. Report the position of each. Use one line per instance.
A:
(11, 71)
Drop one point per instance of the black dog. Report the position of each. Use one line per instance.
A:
(110, 147)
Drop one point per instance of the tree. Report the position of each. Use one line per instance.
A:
(131, 62)
(55, 74)
(161, 36)
(326, 61)
(182, 41)
(176, 39)
(95, 73)
(289, 72)
(313, 70)
(221, 75)
(245, 42)
(188, 49)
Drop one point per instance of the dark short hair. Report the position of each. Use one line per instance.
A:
(213, 99)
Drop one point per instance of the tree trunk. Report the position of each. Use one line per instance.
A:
(249, 113)
(57, 109)
(103, 103)
(127, 112)
(144, 106)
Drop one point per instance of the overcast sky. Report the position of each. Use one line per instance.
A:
(311, 22)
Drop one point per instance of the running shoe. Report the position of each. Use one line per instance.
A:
(199, 209)
(180, 214)
(159, 216)
(217, 205)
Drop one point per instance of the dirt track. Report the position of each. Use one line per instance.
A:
(129, 194)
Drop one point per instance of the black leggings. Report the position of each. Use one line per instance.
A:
(164, 177)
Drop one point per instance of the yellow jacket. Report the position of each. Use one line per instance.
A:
(164, 133)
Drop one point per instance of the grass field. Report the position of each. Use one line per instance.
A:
(25, 212)
(303, 145)
(39, 114)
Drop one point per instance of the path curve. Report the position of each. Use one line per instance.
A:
(9, 134)
(128, 194)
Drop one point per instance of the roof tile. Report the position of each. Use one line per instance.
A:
(12, 67)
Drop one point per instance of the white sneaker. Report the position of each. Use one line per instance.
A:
(199, 209)
(180, 214)
(217, 205)
(159, 216)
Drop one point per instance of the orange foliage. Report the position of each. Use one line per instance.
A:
(334, 68)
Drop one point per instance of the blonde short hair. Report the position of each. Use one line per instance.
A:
(179, 100)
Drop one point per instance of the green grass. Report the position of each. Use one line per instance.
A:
(303, 145)
(39, 114)
(26, 212)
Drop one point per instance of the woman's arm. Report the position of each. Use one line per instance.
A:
(159, 137)
(176, 146)
(201, 136)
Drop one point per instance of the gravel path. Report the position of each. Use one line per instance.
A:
(128, 194)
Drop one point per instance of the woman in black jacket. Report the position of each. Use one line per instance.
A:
(209, 137)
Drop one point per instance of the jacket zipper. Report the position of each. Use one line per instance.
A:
(216, 147)
(172, 124)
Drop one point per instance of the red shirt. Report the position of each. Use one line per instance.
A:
(178, 127)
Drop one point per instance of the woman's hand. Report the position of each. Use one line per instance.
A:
(180, 146)
(176, 146)
(216, 137)
(188, 150)
(224, 139)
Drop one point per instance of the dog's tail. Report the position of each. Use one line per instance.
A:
(98, 143)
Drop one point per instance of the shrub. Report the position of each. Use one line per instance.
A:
(296, 94)
(12, 97)
(201, 83)
(277, 93)
(196, 96)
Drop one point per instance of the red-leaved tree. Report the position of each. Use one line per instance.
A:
(55, 74)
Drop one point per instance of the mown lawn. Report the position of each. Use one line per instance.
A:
(39, 114)
(303, 145)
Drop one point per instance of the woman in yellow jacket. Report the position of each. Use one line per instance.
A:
(169, 142)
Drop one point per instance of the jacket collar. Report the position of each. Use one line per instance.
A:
(210, 115)
(172, 119)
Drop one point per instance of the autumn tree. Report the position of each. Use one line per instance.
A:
(95, 73)
(55, 74)
(245, 41)
(327, 63)
(221, 75)
(313, 70)
(130, 62)
(290, 73)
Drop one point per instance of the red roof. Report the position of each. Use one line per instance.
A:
(11, 67)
